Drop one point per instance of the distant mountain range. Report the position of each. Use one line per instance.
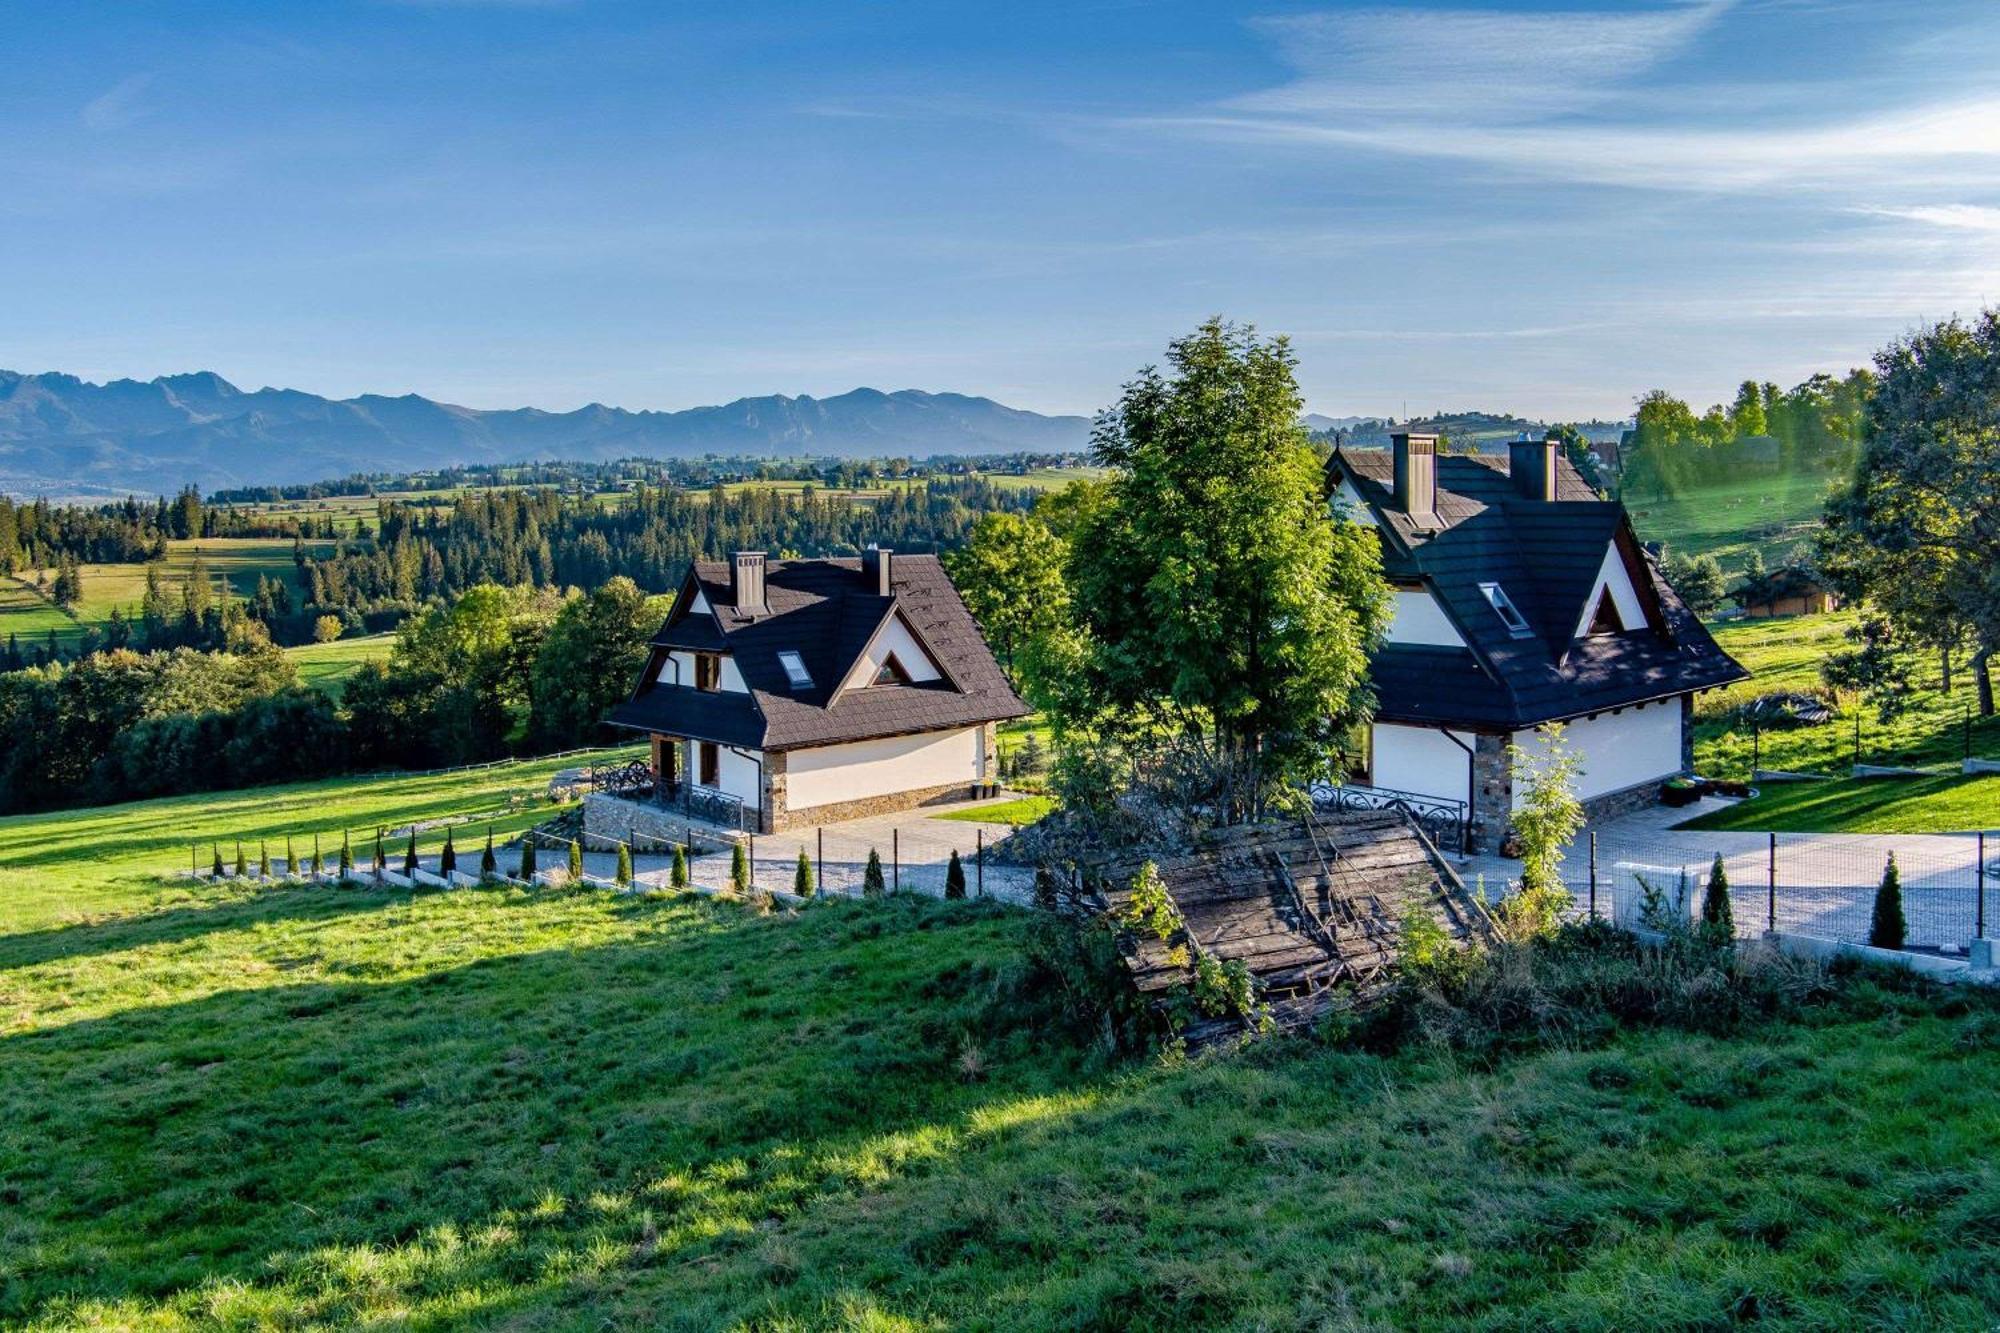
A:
(60, 435)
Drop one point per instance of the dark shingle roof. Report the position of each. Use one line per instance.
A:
(1545, 555)
(828, 612)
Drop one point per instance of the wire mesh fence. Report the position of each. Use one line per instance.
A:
(1799, 884)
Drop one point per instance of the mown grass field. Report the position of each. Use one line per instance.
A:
(238, 560)
(308, 1107)
(1785, 654)
(1771, 514)
(326, 666)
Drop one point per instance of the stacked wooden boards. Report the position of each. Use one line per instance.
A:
(1313, 907)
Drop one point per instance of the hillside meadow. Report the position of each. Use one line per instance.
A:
(312, 1107)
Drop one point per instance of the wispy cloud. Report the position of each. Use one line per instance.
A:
(118, 105)
(1956, 217)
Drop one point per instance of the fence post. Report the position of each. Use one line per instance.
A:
(895, 860)
(979, 860)
(753, 864)
(820, 836)
(1593, 874)
(1771, 887)
(1979, 931)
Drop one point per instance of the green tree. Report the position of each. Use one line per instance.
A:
(872, 883)
(1698, 580)
(1886, 927)
(1010, 573)
(489, 865)
(215, 848)
(378, 862)
(954, 878)
(1214, 595)
(1918, 529)
(410, 853)
(291, 858)
(575, 862)
(624, 873)
(1046, 896)
(527, 875)
(802, 876)
(587, 660)
(1718, 921)
(1548, 816)
(448, 858)
(346, 856)
(678, 876)
(263, 860)
(242, 866)
(739, 869)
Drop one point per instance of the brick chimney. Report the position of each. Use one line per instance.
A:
(746, 583)
(1416, 474)
(875, 568)
(1532, 464)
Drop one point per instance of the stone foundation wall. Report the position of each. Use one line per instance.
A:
(608, 820)
(1612, 804)
(887, 804)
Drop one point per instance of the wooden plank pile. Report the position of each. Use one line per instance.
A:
(1313, 907)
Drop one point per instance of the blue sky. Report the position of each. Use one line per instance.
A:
(663, 204)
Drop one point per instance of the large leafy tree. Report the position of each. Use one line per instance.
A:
(1918, 529)
(1011, 576)
(588, 660)
(1215, 597)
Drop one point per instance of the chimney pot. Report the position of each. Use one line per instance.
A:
(1416, 474)
(876, 568)
(746, 583)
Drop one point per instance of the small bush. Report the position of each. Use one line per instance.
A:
(263, 860)
(410, 853)
(527, 859)
(1887, 928)
(575, 862)
(872, 884)
(448, 858)
(318, 864)
(802, 877)
(678, 876)
(954, 878)
(215, 849)
(1718, 922)
(346, 857)
(489, 865)
(378, 862)
(739, 869)
(242, 866)
(624, 865)
(291, 859)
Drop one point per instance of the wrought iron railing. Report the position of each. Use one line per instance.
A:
(637, 782)
(1446, 821)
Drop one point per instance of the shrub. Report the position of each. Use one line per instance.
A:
(489, 867)
(1887, 929)
(872, 885)
(678, 877)
(954, 878)
(263, 859)
(1548, 817)
(346, 857)
(379, 862)
(448, 858)
(242, 866)
(624, 864)
(216, 850)
(527, 858)
(317, 863)
(739, 869)
(291, 859)
(802, 877)
(1718, 922)
(1045, 888)
(410, 853)
(575, 862)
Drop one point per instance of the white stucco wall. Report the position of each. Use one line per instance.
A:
(877, 768)
(1349, 504)
(1423, 760)
(1615, 750)
(1419, 619)
(895, 638)
(731, 678)
(1612, 574)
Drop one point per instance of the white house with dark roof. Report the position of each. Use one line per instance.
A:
(1522, 598)
(782, 693)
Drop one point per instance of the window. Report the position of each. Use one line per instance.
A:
(707, 672)
(795, 670)
(1605, 620)
(1516, 623)
(892, 672)
(711, 764)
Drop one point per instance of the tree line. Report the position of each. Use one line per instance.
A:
(1816, 426)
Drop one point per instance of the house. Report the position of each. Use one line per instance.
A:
(1790, 591)
(789, 692)
(1521, 599)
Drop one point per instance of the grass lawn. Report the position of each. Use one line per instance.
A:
(326, 666)
(77, 866)
(1866, 805)
(1785, 654)
(1765, 513)
(29, 616)
(1021, 810)
(308, 1107)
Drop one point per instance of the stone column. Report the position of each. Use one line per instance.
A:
(776, 816)
(1687, 733)
(1492, 792)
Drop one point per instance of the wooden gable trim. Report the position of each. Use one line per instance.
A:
(1640, 571)
(890, 617)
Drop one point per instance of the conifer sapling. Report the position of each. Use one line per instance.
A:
(488, 866)
(410, 853)
(625, 864)
(527, 858)
(802, 876)
(1718, 922)
(448, 858)
(1887, 929)
(739, 869)
(242, 866)
(954, 878)
(575, 862)
(346, 856)
(679, 875)
(216, 850)
(872, 883)
(263, 859)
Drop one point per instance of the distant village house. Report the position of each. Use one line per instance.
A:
(1790, 591)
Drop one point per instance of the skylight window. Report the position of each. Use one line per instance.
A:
(1510, 616)
(795, 670)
